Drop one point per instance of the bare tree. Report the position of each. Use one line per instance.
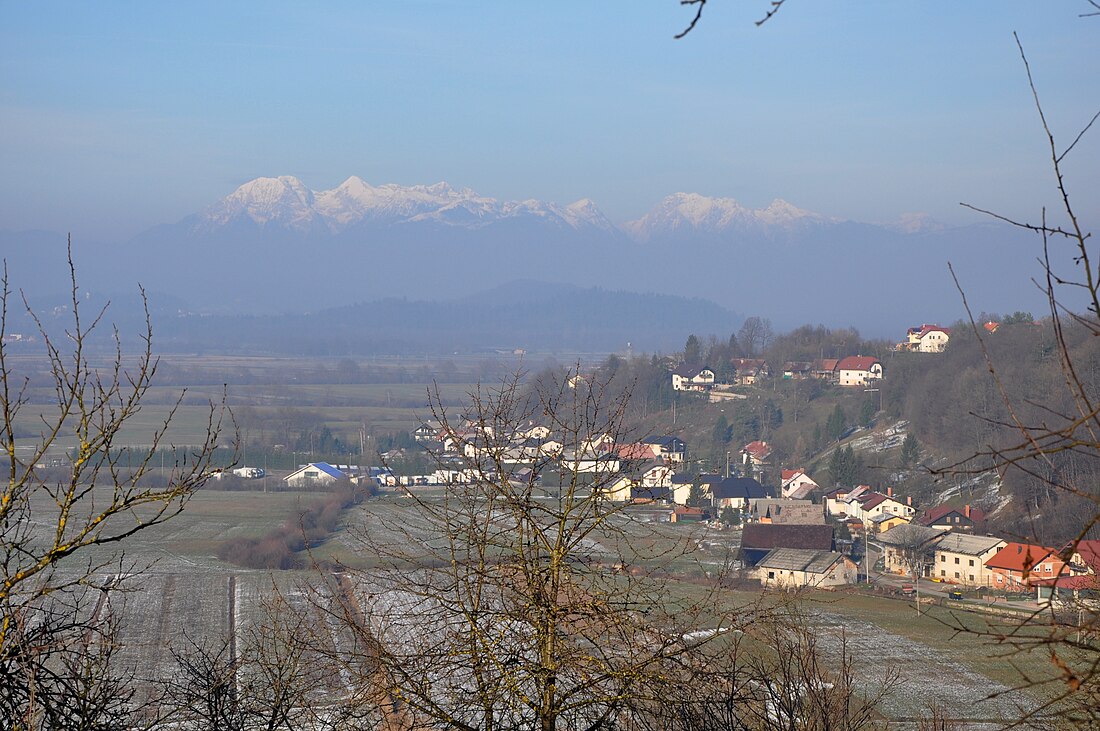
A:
(57, 633)
(526, 597)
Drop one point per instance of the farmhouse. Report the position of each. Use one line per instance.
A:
(908, 547)
(758, 539)
(786, 511)
(794, 568)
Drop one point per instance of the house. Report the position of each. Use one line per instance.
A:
(858, 370)
(738, 493)
(882, 523)
(1084, 557)
(692, 378)
(1017, 566)
(952, 518)
(684, 481)
(590, 460)
(796, 484)
(787, 512)
(960, 558)
(797, 370)
(667, 448)
(315, 474)
(759, 539)
(824, 369)
(1082, 589)
(428, 431)
(864, 504)
(795, 568)
(909, 548)
(925, 339)
(747, 371)
(755, 452)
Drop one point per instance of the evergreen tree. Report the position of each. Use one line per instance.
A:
(730, 516)
(910, 450)
(867, 412)
(693, 351)
(836, 423)
(697, 498)
(722, 431)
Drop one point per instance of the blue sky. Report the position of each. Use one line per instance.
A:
(116, 116)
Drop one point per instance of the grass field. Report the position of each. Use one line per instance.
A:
(185, 593)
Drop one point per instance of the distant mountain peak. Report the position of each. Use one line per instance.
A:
(696, 213)
(286, 202)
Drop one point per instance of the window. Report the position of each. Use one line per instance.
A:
(956, 574)
(943, 559)
(771, 574)
(943, 573)
(1046, 569)
(956, 559)
(971, 562)
(971, 577)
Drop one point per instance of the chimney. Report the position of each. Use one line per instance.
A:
(889, 492)
(909, 501)
(966, 511)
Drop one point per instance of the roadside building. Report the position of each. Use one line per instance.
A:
(960, 558)
(794, 568)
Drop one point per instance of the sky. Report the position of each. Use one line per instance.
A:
(117, 116)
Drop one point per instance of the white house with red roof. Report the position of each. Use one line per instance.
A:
(858, 370)
(796, 484)
(756, 452)
(926, 339)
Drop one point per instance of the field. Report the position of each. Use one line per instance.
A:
(186, 594)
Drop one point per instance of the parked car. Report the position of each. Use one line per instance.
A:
(908, 590)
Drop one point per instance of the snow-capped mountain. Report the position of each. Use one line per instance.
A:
(285, 202)
(692, 213)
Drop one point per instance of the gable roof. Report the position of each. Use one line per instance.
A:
(1019, 557)
(1089, 552)
(800, 559)
(825, 364)
(968, 544)
(909, 535)
(690, 478)
(856, 363)
(739, 487)
(664, 441)
(757, 449)
(787, 535)
(932, 515)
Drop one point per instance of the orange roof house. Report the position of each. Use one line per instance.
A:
(1018, 565)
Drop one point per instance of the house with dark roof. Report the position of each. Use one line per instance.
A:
(858, 370)
(748, 371)
(668, 448)
(824, 369)
(692, 378)
(739, 493)
(783, 510)
(952, 518)
(684, 481)
(797, 370)
(758, 539)
(797, 568)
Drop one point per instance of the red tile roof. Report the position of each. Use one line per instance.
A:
(1019, 557)
(757, 449)
(788, 474)
(856, 363)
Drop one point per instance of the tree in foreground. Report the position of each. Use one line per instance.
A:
(526, 597)
(57, 631)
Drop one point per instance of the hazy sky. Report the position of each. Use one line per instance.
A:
(117, 116)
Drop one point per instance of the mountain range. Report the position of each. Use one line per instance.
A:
(275, 246)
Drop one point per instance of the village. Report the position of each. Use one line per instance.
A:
(794, 533)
